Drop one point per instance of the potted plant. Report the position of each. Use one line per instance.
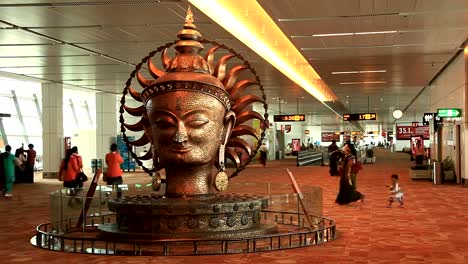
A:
(448, 166)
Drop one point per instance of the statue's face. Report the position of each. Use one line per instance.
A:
(186, 127)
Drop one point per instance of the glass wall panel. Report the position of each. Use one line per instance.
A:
(15, 142)
(7, 105)
(27, 107)
(13, 127)
(15, 132)
(33, 126)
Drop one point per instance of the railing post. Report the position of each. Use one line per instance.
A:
(323, 164)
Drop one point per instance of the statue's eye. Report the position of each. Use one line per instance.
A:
(164, 124)
(196, 121)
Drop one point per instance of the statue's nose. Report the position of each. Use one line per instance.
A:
(181, 134)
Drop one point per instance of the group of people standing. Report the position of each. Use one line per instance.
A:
(72, 165)
(16, 168)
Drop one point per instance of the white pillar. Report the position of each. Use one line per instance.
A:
(106, 123)
(52, 128)
(464, 126)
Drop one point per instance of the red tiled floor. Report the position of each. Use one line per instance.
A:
(432, 228)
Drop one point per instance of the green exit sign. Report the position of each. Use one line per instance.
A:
(449, 112)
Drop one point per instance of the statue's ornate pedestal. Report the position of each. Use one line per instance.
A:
(146, 224)
(218, 216)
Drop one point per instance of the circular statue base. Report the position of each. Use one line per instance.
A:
(219, 224)
(205, 217)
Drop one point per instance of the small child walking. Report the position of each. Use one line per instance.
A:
(396, 194)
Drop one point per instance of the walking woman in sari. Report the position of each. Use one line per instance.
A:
(347, 192)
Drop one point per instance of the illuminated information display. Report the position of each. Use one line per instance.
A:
(359, 117)
(406, 132)
(329, 136)
(289, 118)
(449, 112)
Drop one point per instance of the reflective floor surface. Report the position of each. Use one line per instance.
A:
(431, 228)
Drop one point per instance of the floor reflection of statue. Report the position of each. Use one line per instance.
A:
(193, 115)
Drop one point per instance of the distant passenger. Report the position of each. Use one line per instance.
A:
(69, 169)
(419, 153)
(9, 162)
(263, 154)
(19, 170)
(347, 192)
(333, 157)
(113, 161)
(30, 161)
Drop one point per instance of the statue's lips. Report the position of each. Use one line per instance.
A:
(181, 150)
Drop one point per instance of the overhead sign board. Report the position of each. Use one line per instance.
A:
(329, 136)
(449, 112)
(428, 117)
(406, 132)
(289, 118)
(359, 117)
(437, 122)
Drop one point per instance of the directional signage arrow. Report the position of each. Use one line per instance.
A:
(449, 112)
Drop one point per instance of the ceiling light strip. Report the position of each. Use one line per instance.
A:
(352, 72)
(370, 82)
(346, 34)
(248, 22)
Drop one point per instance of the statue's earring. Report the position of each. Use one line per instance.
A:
(156, 180)
(221, 179)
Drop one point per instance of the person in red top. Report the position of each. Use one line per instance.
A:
(113, 161)
(69, 169)
(419, 153)
(30, 161)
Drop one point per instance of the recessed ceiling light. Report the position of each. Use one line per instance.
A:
(349, 34)
(329, 35)
(372, 82)
(372, 71)
(345, 72)
(350, 72)
(397, 114)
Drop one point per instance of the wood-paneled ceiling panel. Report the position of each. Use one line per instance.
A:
(93, 44)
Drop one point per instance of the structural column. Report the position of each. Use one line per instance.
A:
(52, 129)
(464, 128)
(106, 123)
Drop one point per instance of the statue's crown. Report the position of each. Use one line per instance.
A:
(188, 70)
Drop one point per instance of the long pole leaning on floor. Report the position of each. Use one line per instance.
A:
(300, 198)
(89, 197)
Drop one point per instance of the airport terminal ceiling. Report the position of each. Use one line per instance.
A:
(376, 55)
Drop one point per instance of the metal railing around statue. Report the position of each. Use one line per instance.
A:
(66, 233)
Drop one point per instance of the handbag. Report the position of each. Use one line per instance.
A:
(82, 177)
(356, 167)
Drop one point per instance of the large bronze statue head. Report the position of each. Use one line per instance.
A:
(193, 115)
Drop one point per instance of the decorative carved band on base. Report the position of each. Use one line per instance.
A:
(211, 216)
